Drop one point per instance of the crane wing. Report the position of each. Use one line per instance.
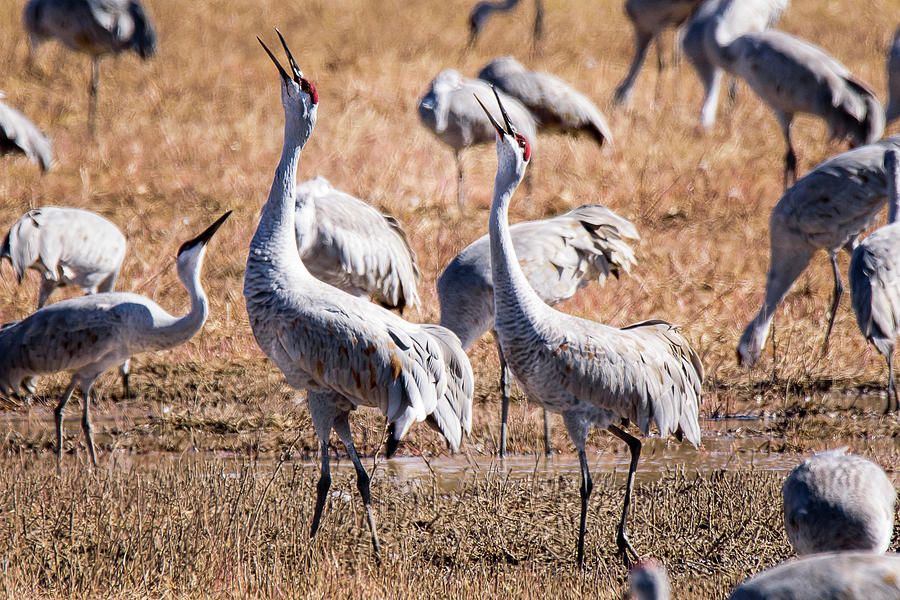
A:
(646, 372)
(21, 133)
(358, 249)
(367, 354)
(875, 287)
(453, 414)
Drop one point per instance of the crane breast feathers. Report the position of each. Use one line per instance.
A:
(646, 372)
(368, 359)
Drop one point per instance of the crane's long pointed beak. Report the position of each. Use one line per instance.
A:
(281, 70)
(496, 125)
(298, 74)
(509, 126)
(204, 237)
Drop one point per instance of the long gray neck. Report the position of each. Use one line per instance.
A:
(275, 244)
(187, 326)
(892, 171)
(513, 295)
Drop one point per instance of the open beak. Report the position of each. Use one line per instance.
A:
(298, 74)
(510, 130)
(203, 238)
(509, 126)
(496, 125)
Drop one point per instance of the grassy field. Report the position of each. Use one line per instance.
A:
(198, 129)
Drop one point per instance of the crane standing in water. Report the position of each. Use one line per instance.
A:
(344, 350)
(594, 375)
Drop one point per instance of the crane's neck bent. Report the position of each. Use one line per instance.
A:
(184, 328)
(513, 295)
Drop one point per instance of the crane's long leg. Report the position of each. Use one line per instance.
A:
(124, 370)
(86, 386)
(92, 94)
(321, 410)
(504, 398)
(623, 92)
(586, 487)
(342, 428)
(835, 300)
(322, 488)
(460, 188)
(634, 445)
(58, 418)
(548, 449)
(790, 158)
(47, 287)
(538, 31)
(892, 387)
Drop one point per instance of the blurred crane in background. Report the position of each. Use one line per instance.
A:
(95, 27)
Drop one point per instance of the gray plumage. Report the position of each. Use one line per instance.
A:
(95, 27)
(826, 209)
(834, 501)
(874, 279)
(67, 246)
(483, 11)
(718, 22)
(90, 334)
(593, 374)
(345, 351)
(648, 580)
(827, 576)
(450, 111)
(893, 79)
(793, 76)
(649, 18)
(559, 256)
(19, 135)
(554, 103)
(348, 244)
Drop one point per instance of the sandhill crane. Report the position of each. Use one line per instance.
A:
(893, 79)
(554, 102)
(791, 75)
(482, 11)
(827, 208)
(96, 27)
(834, 501)
(449, 110)
(827, 576)
(348, 244)
(594, 375)
(90, 334)
(722, 20)
(875, 283)
(345, 351)
(67, 246)
(19, 135)
(559, 256)
(649, 18)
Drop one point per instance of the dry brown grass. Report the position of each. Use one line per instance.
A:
(197, 130)
(184, 527)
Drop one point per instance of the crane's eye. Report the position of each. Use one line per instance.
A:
(524, 145)
(309, 87)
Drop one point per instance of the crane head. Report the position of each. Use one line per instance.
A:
(510, 130)
(297, 77)
(203, 239)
